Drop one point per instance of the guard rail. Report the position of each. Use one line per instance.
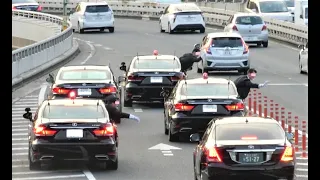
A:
(280, 30)
(27, 58)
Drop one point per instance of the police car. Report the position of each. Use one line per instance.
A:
(72, 130)
(90, 81)
(147, 76)
(193, 103)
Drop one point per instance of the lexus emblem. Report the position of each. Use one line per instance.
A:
(156, 73)
(74, 124)
(209, 100)
(251, 147)
(84, 84)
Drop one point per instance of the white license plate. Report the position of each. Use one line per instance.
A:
(227, 52)
(84, 92)
(156, 79)
(209, 108)
(74, 133)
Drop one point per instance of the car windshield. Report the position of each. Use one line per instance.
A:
(156, 64)
(306, 13)
(249, 20)
(273, 6)
(97, 9)
(289, 3)
(222, 42)
(211, 89)
(85, 75)
(266, 131)
(73, 112)
(23, 1)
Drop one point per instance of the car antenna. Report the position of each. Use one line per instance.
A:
(229, 87)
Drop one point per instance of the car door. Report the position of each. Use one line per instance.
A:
(164, 18)
(229, 24)
(304, 58)
(74, 16)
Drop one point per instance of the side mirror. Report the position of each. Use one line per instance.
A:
(121, 79)
(50, 79)
(290, 137)
(224, 24)
(195, 137)
(161, 12)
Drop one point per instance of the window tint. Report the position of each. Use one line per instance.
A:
(97, 9)
(289, 3)
(156, 64)
(23, 1)
(261, 131)
(73, 112)
(213, 89)
(85, 75)
(306, 13)
(273, 6)
(226, 42)
(252, 20)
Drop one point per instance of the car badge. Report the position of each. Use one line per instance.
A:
(84, 84)
(74, 124)
(251, 147)
(156, 73)
(209, 100)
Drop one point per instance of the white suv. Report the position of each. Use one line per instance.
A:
(181, 17)
(92, 15)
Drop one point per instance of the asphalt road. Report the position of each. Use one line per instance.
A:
(277, 63)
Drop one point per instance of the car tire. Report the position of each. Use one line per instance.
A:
(81, 31)
(111, 30)
(265, 44)
(169, 29)
(33, 165)
(202, 30)
(166, 130)
(161, 30)
(172, 137)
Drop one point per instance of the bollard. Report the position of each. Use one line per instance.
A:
(254, 103)
(289, 122)
(296, 133)
(259, 105)
(283, 118)
(271, 109)
(265, 106)
(276, 112)
(304, 139)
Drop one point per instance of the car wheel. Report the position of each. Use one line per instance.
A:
(166, 130)
(169, 29)
(265, 44)
(202, 30)
(172, 137)
(81, 31)
(161, 30)
(33, 165)
(111, 30)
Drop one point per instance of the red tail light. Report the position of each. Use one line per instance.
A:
(264, 28)
(213, 155)
(183, 107)
(288, 154)
(246, 48)
(235, 28)
(107, 130)
(13, 7)
(58, 90)
(134, 78)
(235, 107)
(174, 78)
(108, 90)
(41, 130)
(39, 8)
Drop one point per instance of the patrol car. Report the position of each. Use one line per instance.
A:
(90, 81)
(193, 103)
(147, 76)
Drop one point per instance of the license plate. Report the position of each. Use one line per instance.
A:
(156, 79)
(84, 92)
(228, 52)
(74, 133)
(209, 108)
(250, 157)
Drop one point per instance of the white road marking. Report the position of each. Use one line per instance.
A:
(137, 110)
(91, 53)
(23, 105)
(19, 154)
(299, 169)
(287, 84)
(19, 160)
(98, 45)
(16, 130)
(19, 134)
(302, 158)
(168, 154)
(88, 174)
(19, 122)
(22, 148)
(302, 164)
(50, 177)
(303, 176)
(19, 144)
(39, 172)
(19, 126)
(19, 139)
(26, 102)
(107, 48)
(19, 166)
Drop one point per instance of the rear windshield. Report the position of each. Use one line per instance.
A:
(156, 64)
(226, 42)
(207, 90)
(289, 3)
(73, 112)
(273, 6)
(238, 131)
(23, 1)
(85, 75)
(186, 8)
(97, 9)
(252, 20)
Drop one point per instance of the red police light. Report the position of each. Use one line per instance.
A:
(72, 95)
(205, 75)
(155, 52)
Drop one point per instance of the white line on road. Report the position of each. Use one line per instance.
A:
(19, 166)
(16, 130)
(91, 53)
(50, 177)
(303, 176)
(20, 122)
(287, 84)
(302, 164)
(19, 139)
(168, 154)
(137, 110)
(19, 160)
(19, 134)
(26, 102)
(88, 174)
(302, 158)
(19, 126)
(304, 170)
(19, 144)
(20, 148)
(38, 172)
(23, 105)
(19, 154)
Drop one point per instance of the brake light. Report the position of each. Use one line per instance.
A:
(108, 90)
(58, 90)
(212, 155)
(134, 78)
(264, 27)
(13, 7)
(245, 46)
(235, 107)
(174, 78)
(235, 28)
(288, 154)
(39, 8)
(106, 130)
(41, 130)
(249, 138)
(183, 107)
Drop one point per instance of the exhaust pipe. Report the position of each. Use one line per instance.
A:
(46, 158)
(102, 157)
(185, 129)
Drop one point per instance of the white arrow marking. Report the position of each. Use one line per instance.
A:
(164, 147)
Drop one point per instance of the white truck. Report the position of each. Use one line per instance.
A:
(301, 12)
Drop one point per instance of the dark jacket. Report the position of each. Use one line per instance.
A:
(115, 114)
(244, 84)
(187, 61)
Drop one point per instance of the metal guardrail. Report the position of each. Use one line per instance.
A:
(29, 57)
(280, 30)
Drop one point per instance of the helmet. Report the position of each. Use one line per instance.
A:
(111, 99)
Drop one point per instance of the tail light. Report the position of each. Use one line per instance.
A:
(132, 78)
(245, 46)
(42, 130)
(183, 107)
(58, 90)
(174, 78)
(174, 17)
(235, 107)
(108, 90)
(288, 154)
(235, 28)
(39, 8)
(106, 130)
(212, 155)
(264, 27)
(13, 7)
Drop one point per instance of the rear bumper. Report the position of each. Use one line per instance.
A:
(97, 25)
(145, 93)
(212, 64)
(256, 38)
(189, 27)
